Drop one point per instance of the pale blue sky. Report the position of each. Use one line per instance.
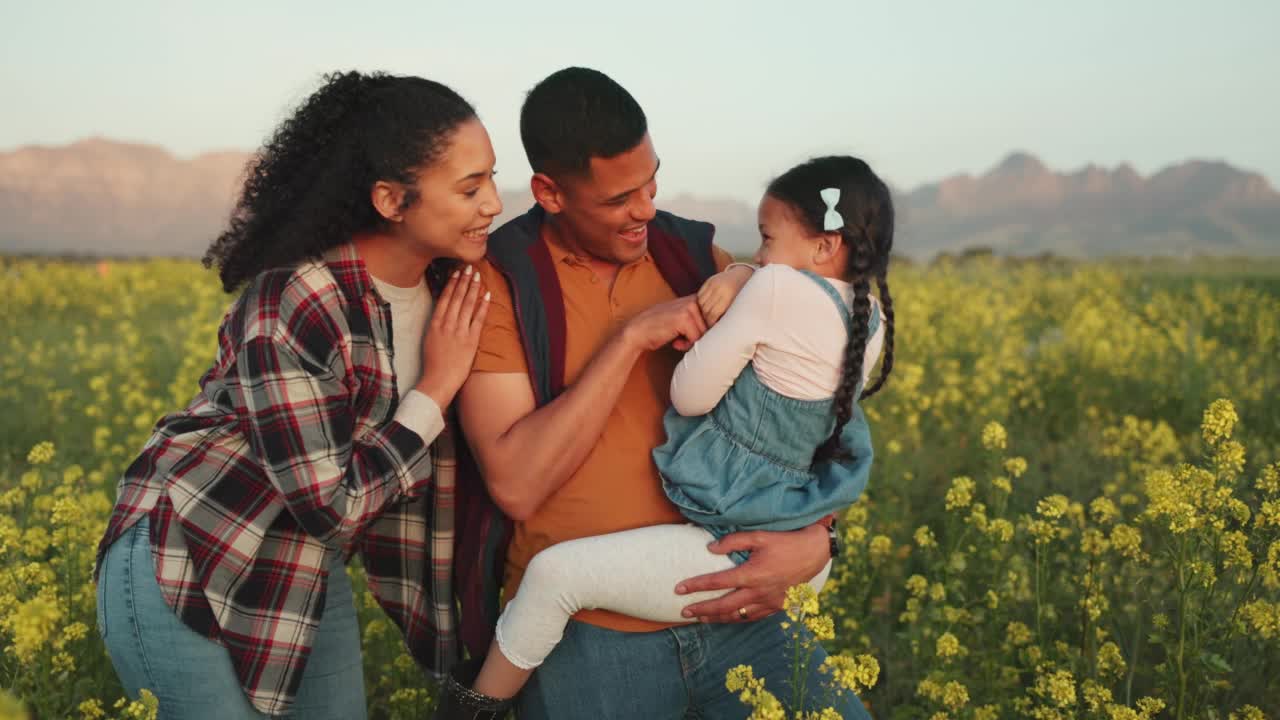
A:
(735, 91)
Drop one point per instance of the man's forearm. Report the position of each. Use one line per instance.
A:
(536, 455)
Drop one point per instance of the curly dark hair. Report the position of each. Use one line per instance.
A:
(307, 189)
(867, 208)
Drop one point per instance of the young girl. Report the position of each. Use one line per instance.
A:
(222, 583)
(765, 431)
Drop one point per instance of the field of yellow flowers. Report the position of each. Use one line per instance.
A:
(1075, 508)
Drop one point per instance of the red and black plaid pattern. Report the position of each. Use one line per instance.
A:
(290, 453)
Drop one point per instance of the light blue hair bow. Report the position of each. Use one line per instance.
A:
(832, 220)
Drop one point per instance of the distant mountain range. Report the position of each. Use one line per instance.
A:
(102, 197)
(1022, 207)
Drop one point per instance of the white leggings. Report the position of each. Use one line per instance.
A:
(633, 572)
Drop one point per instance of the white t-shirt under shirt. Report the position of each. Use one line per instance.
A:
(410, 311)
(788, 328)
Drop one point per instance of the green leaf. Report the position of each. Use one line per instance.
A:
(1215, 662)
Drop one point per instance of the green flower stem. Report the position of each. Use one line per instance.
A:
(1182, 629)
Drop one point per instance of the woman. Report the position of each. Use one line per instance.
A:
(221, 578)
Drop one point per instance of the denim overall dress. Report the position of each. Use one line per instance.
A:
(748, 464)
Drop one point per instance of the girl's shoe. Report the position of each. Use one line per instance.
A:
(459, 702)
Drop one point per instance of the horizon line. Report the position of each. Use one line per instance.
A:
(1003, 159)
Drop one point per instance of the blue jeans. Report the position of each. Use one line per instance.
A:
(191, 675)
(675, 674)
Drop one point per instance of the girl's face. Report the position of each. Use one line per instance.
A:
(458, 199)
(784, 238)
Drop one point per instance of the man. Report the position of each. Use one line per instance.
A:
(565, 405)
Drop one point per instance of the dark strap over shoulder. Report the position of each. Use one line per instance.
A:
(516, 249)
(681, 249)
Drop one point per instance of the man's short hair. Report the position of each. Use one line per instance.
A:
(574, 115)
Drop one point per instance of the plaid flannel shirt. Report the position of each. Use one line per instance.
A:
(289, 453)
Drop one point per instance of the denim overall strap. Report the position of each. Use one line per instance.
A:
(873, 323)
(835, 296)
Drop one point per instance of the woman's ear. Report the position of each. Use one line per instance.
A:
(388, 198)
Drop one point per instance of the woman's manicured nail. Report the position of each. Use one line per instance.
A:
(468, 270)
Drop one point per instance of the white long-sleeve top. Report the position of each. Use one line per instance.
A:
(410, 312)
(787, 327)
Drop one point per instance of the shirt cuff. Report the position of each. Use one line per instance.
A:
(420, 414)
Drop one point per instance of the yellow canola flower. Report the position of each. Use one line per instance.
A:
(1095, 696)
(880, 548)
(1147, 708)
(1094, 542)
(1173, 497)
(1053, 507)
(1120, 712)
(917, 585)
(751, 692)
(1110, 660)
(994, 436)
(144, 708)
(1042, 531)
(1000, 530)
(948, 646)
(1015, 466)
(800, 601)
(1059, 687)
(63, 663)
(1018, 633)
(937, 592)
(31, 626)
(41, 454)
(930, 689)
(1235, 550)
(1229, 458)
(91, 709)
(1127, 541)
(1150, 707)
(960, 494)
(1268, 481)
(852, 674)
(1262, 617)
(1103, 510)
(955, 695)
(75, 631)
(986, 712)
(912, 612)
(822, 627)
(1219, 421)
(1268, 515)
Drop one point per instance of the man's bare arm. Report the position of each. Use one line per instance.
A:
(526, 453)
